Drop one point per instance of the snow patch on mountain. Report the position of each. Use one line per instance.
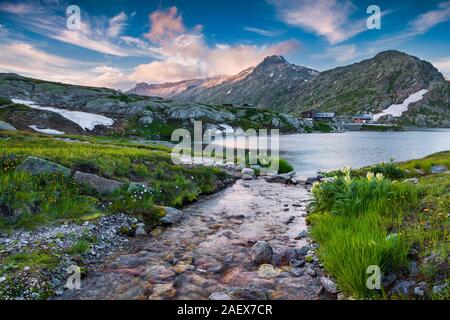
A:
(87, 121)
(397, 110)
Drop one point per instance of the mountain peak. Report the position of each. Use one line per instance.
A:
(274, 60)
(388, 54)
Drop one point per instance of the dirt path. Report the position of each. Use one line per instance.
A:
(209, 252)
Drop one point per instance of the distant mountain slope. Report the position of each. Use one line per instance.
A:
(259, 86)
(148, 117)
(174, 88)
(371, 85)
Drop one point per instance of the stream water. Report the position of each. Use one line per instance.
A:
(209, 252)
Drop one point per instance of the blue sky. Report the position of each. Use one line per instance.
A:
(124, 42)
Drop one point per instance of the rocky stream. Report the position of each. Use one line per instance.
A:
(248, 241)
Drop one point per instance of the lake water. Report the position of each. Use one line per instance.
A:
(311, 152)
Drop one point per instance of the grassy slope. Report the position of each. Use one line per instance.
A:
(355, 214)
(43, 199)
(28, 201)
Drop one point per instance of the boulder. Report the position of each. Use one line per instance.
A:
(288, 255)
(247, 177)
(414, 269)
(37, 166)
(440, 288)
(297, 272)
(295, 263)
(140, 232)
(303, 251)
(250, 293)
(279, 178)
(145, 120)
(420, 289)
(99, 184)
(6, 126)
(172, 216)
(310, 271)
(311, 180)
(261, 253)
(163, 291)
(267, 271)
(438, 169)
(388, 279)
(302, 235)
(219, 296)
(329, 285)
(403, 287)
(298, 180)
(248, 171)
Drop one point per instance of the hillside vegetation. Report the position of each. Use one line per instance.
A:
(394, 216)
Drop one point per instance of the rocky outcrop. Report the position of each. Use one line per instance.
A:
(99, 184)
(37, 166)
(151, 117)
(6, 126)
(367, 86)
(172, 216)
(261, 87)
(329, 285)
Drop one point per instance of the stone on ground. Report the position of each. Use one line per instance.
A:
(261, 253)
(99, 184)
(37, 166)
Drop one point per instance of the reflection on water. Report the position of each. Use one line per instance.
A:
(309, 153)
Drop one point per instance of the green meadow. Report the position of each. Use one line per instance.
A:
(374, 216)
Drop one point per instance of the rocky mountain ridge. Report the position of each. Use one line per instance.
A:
(371, 85)
(148, 117)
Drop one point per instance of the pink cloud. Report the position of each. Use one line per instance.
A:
(165, 24)
(186, 55)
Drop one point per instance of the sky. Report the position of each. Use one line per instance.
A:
(119, 43)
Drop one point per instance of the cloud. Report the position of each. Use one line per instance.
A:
(165, 24)
(117, 24)
(341, 54)
(174, 51)
(16, 8)
(428, 20)
(420, 25)
(27, 60)
(263, 32)
(443, 65)
(97, 34)
(328, 18)
(185, 53)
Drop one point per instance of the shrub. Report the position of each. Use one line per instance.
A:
(349, 245)
(352, 220)
(284, 166)
(79, 248)
(389, 170)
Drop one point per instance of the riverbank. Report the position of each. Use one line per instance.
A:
(392, 216)
(66, 201)
(72, 201)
